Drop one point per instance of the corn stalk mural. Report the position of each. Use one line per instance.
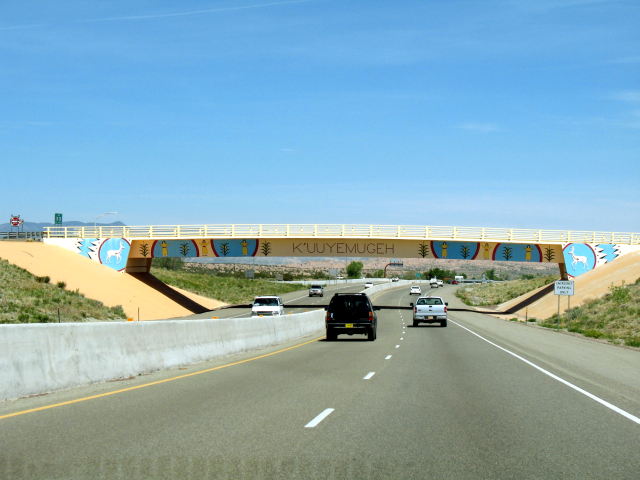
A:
(144, 249)
(507, 253)
(184, 249)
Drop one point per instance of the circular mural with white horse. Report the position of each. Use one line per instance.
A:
(114, 253)
(579, 258)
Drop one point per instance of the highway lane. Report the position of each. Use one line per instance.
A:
(423, 402)
(300, 297)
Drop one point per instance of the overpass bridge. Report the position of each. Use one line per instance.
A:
(131, 248)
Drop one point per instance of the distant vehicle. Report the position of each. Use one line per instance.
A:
(433, 283)
(440, 283)
(351, 313)
(316, 291)
(415, 290)
(454, 282)
(458, 279)
(395, 279)
(430, 310)
(368, 284)
(267, 305)
(339, 277)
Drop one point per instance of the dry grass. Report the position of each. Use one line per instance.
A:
(614, 317)
(496, 293)
(25, 298)
(226, 289)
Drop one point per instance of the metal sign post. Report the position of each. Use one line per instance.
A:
(566, 288)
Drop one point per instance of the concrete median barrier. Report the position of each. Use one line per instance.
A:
(40, 358)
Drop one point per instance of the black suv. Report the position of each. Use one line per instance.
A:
(351, 313)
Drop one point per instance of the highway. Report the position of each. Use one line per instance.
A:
(293, 299)
(418, 403)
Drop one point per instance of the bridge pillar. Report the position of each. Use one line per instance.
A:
(563, 271)
(138, 265)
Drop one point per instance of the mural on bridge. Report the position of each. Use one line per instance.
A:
(205, 247)
(455, 250)
(112, 252)
(579, 258)
(174, 248)
(515, 252)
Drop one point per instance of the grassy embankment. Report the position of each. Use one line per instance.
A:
(614, 317)
(25, 298)
(482, 294)
(226, 289)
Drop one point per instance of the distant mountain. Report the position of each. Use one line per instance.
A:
(37, 227)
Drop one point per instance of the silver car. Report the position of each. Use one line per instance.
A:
(316, 291)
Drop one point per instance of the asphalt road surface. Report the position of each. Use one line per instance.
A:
(292, 302)
(418, 403)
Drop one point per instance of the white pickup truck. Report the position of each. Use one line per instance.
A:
(430, 310)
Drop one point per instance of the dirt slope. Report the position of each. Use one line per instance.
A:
(589, 286)
(96, 281)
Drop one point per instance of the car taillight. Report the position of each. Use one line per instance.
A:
(415, 309)
(371, 316)
(328, 317)
(445, 309)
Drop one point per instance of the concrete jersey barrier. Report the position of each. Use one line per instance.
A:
(39, 358)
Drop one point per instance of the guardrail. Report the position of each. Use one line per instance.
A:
(406, 232)
(21, 235)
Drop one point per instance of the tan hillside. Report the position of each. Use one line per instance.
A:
(98, 282)
(592, 285)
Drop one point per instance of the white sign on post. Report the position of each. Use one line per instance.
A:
(563, 287)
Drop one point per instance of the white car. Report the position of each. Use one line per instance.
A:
(368, 284)
(415, 290)
(440, 283)
(395, 279)
(268, 305)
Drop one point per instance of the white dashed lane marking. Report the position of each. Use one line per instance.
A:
(325, 413)
(388, 357)
(369, 375)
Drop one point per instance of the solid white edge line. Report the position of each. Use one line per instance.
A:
(388, 357)
(602, 402)
(324, 414)
(368, 375)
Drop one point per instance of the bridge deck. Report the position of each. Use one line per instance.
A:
(406, 232)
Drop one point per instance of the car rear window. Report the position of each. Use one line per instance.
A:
(316, 286)
(266, 302)
(350, 304)
(429, 301)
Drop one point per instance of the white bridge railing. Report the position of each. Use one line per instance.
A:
(403, 232)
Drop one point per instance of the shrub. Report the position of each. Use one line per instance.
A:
(593, 333)
(61, 285)
(620, 294)
(632, 341)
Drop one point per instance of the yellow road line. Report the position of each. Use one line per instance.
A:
(157, 382)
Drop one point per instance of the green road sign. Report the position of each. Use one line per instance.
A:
(58, 218)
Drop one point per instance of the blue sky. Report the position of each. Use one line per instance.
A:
(501, 113)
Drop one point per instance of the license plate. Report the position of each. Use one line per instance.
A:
(348, 325)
